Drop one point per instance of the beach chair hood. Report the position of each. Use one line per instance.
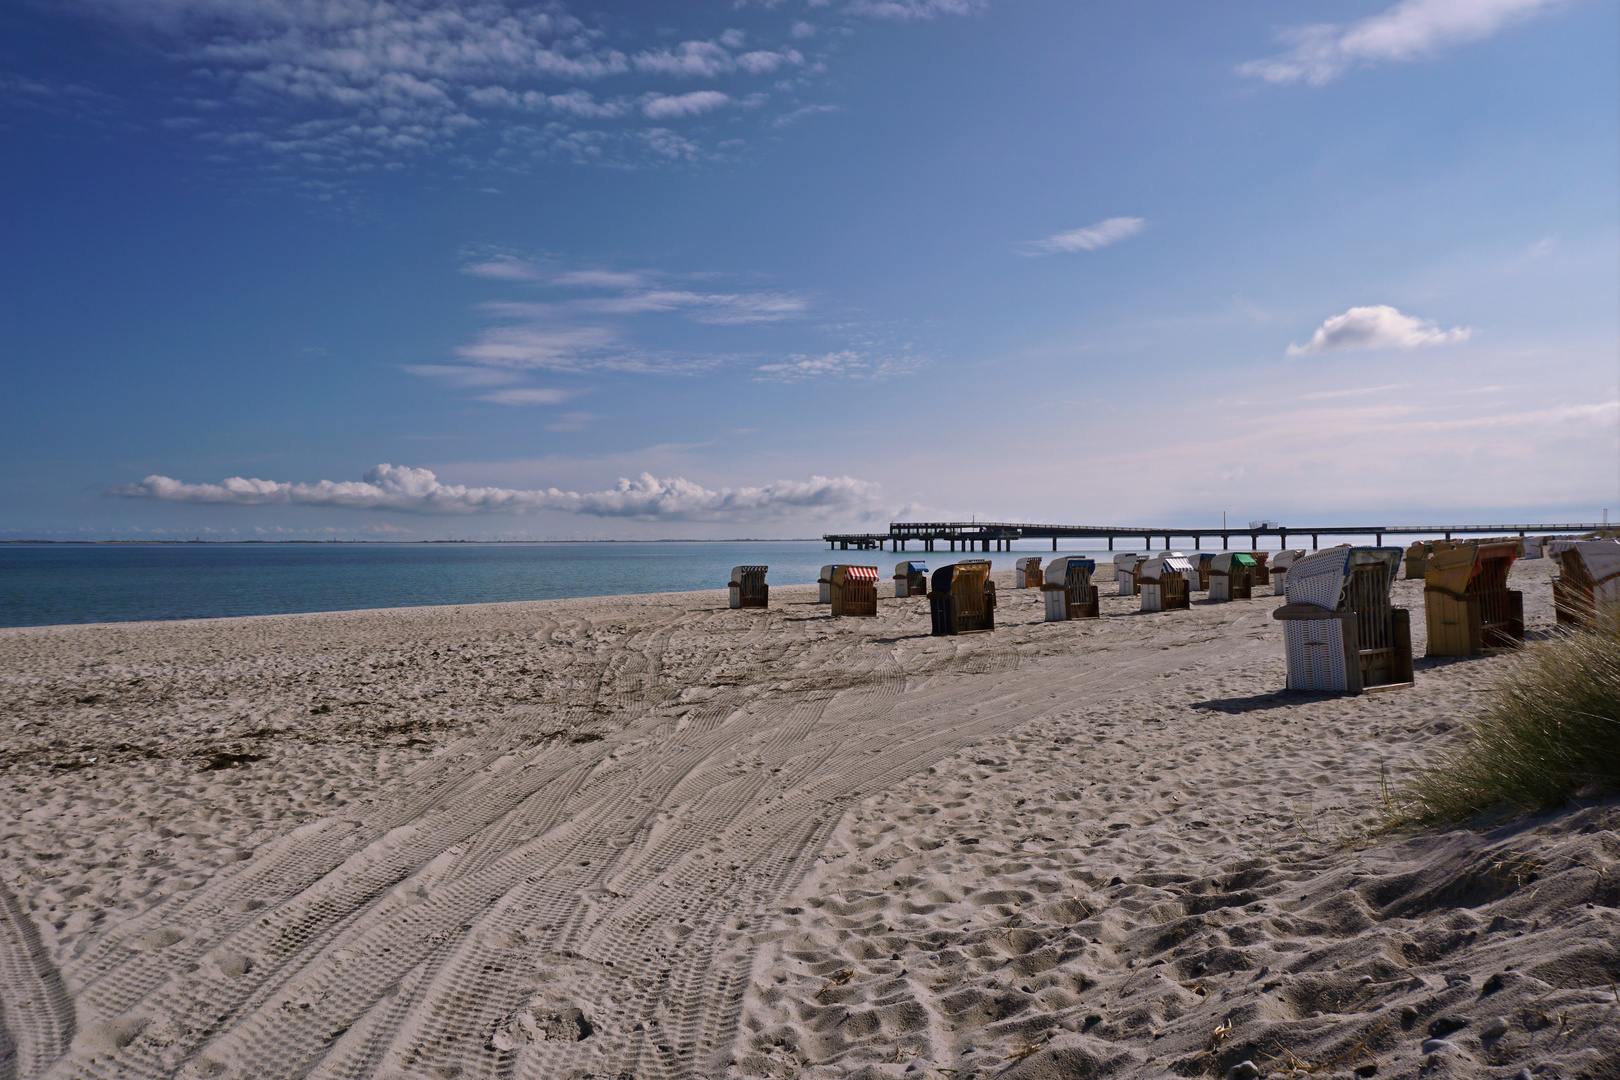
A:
(1319, 578)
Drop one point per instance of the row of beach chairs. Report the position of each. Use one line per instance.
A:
(1341, 630)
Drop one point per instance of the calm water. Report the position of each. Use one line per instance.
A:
(46, 584)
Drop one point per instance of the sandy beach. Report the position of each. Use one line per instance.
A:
(648, 837)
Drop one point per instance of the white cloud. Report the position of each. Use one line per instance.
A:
(1090, 238)
(905, 10)
(527, 395)
(802, 30)
(763, 62)
(723, 308)
(844, 364)
(602, 279)
(503, 268)
(692, 59)
(800, 113)
(666, 106)
(1377, 327)
(464, 376)
(1407, 31)
(418, 491)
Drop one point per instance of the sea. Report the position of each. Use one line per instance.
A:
(48, 584)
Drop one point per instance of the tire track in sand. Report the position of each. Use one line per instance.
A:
(625, 877)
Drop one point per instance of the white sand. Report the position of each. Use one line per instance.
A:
(412, 843)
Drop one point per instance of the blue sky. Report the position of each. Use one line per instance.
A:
(309, 268)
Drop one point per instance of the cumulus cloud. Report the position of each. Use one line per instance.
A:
(699, 59)
(418, 491)
(1103, 233)
(666, 106)
(1407, 31)
(1377, 327)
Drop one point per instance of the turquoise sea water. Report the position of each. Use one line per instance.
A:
(45, 584)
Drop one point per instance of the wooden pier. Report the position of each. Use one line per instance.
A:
(999, 535)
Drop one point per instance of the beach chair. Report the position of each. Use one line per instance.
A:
(1027, 573)
(854, 590)
(1067, 589)
(1340, 630)
(1532, 547)
(1417, 557)
(1164, 582)
(910, 579)
(825, 583)
(1262, 568)
(1587, 587)
(1280, 563)
(963, 599)
(1467, 605)
(1231, 577)
(1198, 580)
(748, 588)
(1125, 572)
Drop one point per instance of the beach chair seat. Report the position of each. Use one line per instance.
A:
(1067, 591)
(963, 599)
(910, 578)
(1164, 580)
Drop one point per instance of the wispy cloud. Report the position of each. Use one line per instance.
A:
(1410, 30)
(418, 491)
(843, 364)
(1377, 327)
(789, 118)
(906, 10)
(503, 268)
(1102, 234)
(527, 395)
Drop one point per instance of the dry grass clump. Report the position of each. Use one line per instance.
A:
(1552, 729)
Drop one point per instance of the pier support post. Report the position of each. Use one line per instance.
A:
(1226, 541)
(1315, 541)
(1110, 543)
(1254, 541)
(1378, 539)
(1197, 540)
(1054, 542)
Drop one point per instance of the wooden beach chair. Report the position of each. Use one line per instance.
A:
(910, 579)
(1067, 590)
(1027, 573)
(1340, 630)
(1587, 587)
(1417, 558)
(748, 588)
(1231, 577)
(1467, 605)
(854, 590)
(963, 599)
(1280, 563)
(1125, 567)
(1198, 580)
(825, 583)
(1164, 582)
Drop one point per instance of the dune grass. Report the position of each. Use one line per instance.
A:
(1551, 729)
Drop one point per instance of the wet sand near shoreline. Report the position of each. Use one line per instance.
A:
(649, 836)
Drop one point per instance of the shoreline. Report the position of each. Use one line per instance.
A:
(410, 842)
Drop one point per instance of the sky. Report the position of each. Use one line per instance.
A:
(769, 268)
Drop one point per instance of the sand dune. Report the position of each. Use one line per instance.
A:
(652, 837)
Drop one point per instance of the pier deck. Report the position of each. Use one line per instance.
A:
(999, 535)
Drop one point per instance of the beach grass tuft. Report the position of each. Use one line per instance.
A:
(1551, 730)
